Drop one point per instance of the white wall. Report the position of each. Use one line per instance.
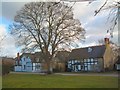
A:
(18, 68)
(26, 65)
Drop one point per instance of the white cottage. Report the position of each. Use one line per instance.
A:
(28, 62)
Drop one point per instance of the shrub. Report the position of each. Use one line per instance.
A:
(6, 69)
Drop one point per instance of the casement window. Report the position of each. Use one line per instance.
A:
(82, 65)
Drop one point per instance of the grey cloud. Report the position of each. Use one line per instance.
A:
(9, 9)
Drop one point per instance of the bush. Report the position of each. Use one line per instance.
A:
(6, 69)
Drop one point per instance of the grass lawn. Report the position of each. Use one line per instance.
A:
(58, 81)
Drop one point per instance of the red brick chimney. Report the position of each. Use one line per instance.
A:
(106, 41)
(18, 58)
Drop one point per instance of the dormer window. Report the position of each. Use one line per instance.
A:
(89, 49)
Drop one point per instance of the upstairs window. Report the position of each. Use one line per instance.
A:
(89, 49)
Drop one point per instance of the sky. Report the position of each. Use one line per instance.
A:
(95, 26)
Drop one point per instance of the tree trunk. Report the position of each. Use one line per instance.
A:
(49, 68)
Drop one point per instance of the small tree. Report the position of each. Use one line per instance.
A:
(46, 26)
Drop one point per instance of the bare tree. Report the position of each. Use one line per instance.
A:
(46, 26)
(113, 16)
(113, 6)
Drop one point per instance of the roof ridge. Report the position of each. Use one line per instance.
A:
(88, 47)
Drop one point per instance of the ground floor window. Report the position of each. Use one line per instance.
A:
(82, 65)
(36, 66)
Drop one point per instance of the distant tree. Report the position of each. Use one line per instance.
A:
(46, 26)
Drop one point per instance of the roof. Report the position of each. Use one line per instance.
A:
(30, 55)
(38, 55)
(88, 52)
(62, 55)
(33, 56)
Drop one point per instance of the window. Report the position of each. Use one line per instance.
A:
(82, 67)
(88, 60)
(69, 66)
(86, 68)
(89, 63)
(69, 61)
(92, 59)
(89, 49)
(85, 63)
(37, 66)
(73, 61)
(96, 63)
(84, 60)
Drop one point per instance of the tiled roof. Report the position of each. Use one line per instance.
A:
(88, 52)
(33, 56)
(62, 55)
